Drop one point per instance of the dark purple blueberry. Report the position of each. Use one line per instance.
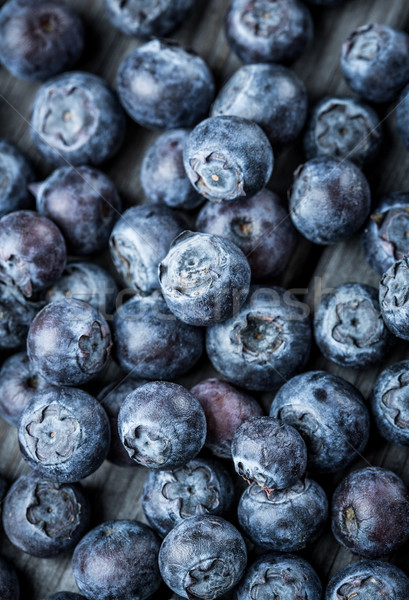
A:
(265, 343)
(77, 119)
(162, 85)
(163, 176)
(9, 586)
(117, 559)
(285, 520)
(259, 226)
(228, 157)
(17, 313)
(202, 557)
(140, 240)
(375, 62)
(204, 278)
(69, 342)
(349, 328)
(345, 128)
(151, 342)
(330, 414)
(147, 18)
(325, 2)
(162, 425)
(32, 251)
(199, 487)
(226, 408)
(45, 518)
(394, 298)
(402, 116)
(64, 434)
(64, 596)
(370, 512)
(39, 38)
(15, 175)
(329, 199)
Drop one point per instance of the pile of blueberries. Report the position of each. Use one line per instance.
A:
(173, 292)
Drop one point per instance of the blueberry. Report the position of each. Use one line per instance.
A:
(117, 559)
(330, 414)
(151, 342)
(9, 586)
(325, 2)
(329, 200)
(64, 434)
(345, 128)
(17, 313)
(77, 119)
(393, 298)
(201, 486)
(226, 408)
(64, 596)
(275, 31)
(271, 95)
(163, 176)
(402, 110)
(370, 512)
(15, 175)
(204, 278)
(375, 62)
(228, 157)
(202, 557)
(39, 38)
(259, 226)
(285, 520)
(69, 342)
(140, 240)
(266, 343)
(349, 328)
(164, 86)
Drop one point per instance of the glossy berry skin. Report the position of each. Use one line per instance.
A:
(259, 226)
(402, 111)
(389, 403)
(286, 520)
(370, 512)
(15, 175)
(140, 240)
(9, 586)
(39, 38)
(228, 157)
(349, 329)
(276, 31)
(330, 414)
(18, 312)
(64, 596)
(200, 487)
(164, 86)
(162, 425)
(45, 518)
(202, 557)
(204, 278)
(393, 298)
(265, 343)
(329, 200)
(117, 559)
(77, 119)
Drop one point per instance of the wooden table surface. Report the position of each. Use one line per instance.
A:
(116, 492)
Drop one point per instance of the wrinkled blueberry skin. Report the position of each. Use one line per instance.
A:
(147, 18)
(329, 200)
(202, 557)
(394, 299)
(65, 596)
(163, 176)
(176, 86)
(282, 576)
(69, 342)
(140, 240)
(17, 314)
(32, 251)
(201, 486)
(375, 62)
(275, 31)
(266, 343)
(226, 408)
(151, 342)
(9, 586)
(286, 520)
(39, 38)
(349, 329)
(271, 95)
(161, 425)
(258, 226)
(228, 157)
(402, 110)
(204, 278)
(77, 119)
(370, 512)
(15, 175)
(345, 128)
(117, 559)
(44, 518)
(330, 414)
